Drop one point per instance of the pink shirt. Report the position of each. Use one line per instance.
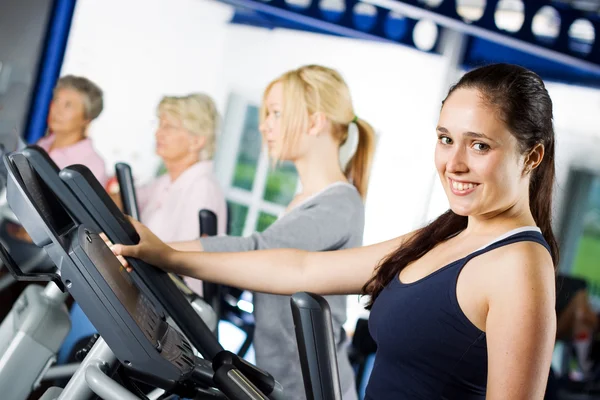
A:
(82, 152)
(170, 209)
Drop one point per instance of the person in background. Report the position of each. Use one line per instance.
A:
(307, 117)
(76, 103)
(577, 327)
(185, 142)
(574, 311)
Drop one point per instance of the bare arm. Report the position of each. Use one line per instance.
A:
(280, 271)
(521, 324)
(322, 226)
(190, 245)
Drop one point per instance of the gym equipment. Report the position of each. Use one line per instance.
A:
(30, 337)
(82, 329)
(211, 292)
(29, 256)
(130, 321)
(316, 345)
(86, 201)
(35, 328)
(127, 190)
(208, 227)
(361, 352)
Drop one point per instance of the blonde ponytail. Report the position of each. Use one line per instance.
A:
(359, 166)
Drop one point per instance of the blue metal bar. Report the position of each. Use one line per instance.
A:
(49, 67)
(296, 15)
(342, 23)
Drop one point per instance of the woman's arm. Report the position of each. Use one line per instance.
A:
(280, 271)
(521, 323)
(190, 245)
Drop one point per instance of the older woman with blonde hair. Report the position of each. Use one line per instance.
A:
(185, 142)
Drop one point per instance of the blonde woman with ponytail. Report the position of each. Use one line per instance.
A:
(307, 117)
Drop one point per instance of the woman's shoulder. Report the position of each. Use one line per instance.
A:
(524, 251)
(339, 193)
(204, 185)
(527, 263)
(45, 141)
(338, 205)
(86, 152)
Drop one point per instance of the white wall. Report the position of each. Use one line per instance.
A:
(138, 51)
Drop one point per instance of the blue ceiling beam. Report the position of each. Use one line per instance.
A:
(379, 27)
(524, 40)
(445, 15)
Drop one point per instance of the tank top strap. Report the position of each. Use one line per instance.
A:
(524, 236)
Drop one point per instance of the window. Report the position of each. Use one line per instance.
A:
(587, 257)
(256, 191)
(580, 231)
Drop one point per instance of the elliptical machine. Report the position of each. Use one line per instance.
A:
(129, 310)
(38, 323)
(136, 339)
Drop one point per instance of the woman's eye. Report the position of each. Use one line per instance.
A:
(481, 146)
(445, 140)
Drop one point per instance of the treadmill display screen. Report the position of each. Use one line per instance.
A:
(121, 284)
(113, 273)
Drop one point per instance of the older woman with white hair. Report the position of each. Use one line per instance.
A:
(77, 101)
(185, 141)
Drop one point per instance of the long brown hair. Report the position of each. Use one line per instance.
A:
(522, 102)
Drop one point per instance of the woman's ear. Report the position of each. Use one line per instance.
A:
(534, 158)
(317, 124)
(197, 143)
(86, 127)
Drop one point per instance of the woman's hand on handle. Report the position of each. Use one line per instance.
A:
(276, 271)
(110, 245)
(149, 249)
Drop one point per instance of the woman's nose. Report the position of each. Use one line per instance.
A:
(457, 160)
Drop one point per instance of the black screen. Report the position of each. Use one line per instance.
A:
(122, 286)
(47, 204)
(113, 273)
(81, 180)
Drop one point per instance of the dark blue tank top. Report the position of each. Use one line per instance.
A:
(426, 347)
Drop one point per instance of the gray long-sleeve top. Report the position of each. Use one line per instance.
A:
(333, 219)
